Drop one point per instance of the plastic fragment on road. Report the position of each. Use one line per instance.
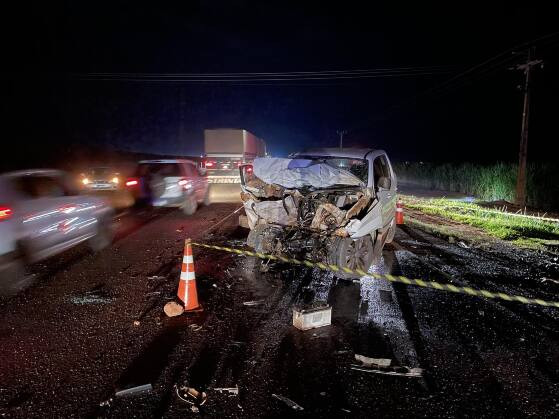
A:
(230, 390)
(90, 299)
(253, 303)
(134, 390)
(173, 309)
(373, 362)
(312, 317)
(395, 371)
(288, 402)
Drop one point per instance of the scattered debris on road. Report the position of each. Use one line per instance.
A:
(136, 323)
(173, 309)
(253, 303)
(90, 299)
(288, 402)
(544, 280)
(191, 396)
(311, 317)
(134, 390)
(397, 371)
(373, 362)
(230, 390)
(195, 327)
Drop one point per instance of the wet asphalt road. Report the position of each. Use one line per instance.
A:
(69, 341)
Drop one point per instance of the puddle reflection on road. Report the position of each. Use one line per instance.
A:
(379, 322)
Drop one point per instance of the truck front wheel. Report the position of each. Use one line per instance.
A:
(353, 254)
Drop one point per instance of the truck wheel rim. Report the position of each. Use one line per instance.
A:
(356, 255)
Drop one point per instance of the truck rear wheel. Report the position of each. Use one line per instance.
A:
(353, 254)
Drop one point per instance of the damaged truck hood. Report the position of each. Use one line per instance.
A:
(317, 198)
(299, 173)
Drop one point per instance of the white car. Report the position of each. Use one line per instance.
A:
(41, 215)
(169, 183)
(330, 205)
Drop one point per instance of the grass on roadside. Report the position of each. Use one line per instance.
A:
(525, 232)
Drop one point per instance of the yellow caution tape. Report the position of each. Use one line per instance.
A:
(388, 277)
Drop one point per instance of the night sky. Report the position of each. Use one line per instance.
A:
(50, 100)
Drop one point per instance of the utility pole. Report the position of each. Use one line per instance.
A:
(341, 133)
(521, 177)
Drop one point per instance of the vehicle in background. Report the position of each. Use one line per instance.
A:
(226, 149)
(100, 179)
(169, 183)
(330, 205)
(41, 215)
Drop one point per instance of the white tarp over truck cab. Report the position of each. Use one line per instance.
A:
(298, 173)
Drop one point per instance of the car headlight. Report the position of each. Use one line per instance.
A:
(85, 181)
(115, 180)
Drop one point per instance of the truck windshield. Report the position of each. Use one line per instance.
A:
(357, 167)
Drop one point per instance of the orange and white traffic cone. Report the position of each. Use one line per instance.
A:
(399, 212)
(187, 283)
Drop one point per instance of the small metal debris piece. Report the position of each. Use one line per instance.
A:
(194, 409)
(156, 277)
(373, 362)
(464, 245)
(253, 303)
(230, 390)
(288, 402)
(136, 323)
(191, 396)
(134, 390)
(106, 403)
(195, 327)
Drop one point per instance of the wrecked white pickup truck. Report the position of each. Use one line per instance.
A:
(326, 205)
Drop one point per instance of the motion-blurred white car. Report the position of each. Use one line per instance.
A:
(169, 183)
(42, 215)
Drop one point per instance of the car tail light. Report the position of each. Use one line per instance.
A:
(132, 182)
(185, 183)
(210, 164)
(249, 169)
(5, 212)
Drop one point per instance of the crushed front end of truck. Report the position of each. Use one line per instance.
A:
(320, 209)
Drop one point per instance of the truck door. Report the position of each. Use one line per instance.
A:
(384, 184)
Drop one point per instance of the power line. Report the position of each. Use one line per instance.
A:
(265, 77)
(483, 69)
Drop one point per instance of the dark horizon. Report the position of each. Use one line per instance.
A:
(447, 113)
